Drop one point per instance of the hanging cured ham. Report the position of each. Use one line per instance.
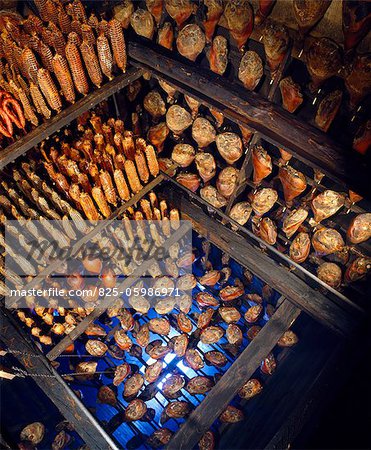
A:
(362, 138)
(218, 56)
(291, 94)
(327, 110)
(213, 14)
(293, 183)
(240, 20)
(357, 79)
(308, 13)
(179, 10)
(264, 9)
(262, 164)
(327, 204)
(323, 61)
(360, 229)
(356, 22)
(190, 41)
(276, 42)
(250, 70)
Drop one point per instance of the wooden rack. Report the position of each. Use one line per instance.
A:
(276, 126)
(249, 109)
(242, 369)
(297, 291)
(297, 297)
(92, 432)
(53, 385)
(245, 365)
(34, 137)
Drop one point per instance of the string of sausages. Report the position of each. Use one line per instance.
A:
(10, 113)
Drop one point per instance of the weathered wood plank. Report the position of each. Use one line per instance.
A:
(247, 108)
(297, 291)
(241, 370)
(244, 173)
(246, 167)
(289, 392)
(33, 138)
(300, 422)
(54, 386)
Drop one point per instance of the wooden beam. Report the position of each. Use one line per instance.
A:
(296, 290)
(231, 382)
(288, 390)
(34, 137)
(276, 125)
(54, 386)
(4, 444)
(246, 167)
(244, 173)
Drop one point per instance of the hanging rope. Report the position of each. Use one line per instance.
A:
(23, 373)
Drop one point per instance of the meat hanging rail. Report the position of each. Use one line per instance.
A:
(249, 109)
(304, 296)
(34, 137)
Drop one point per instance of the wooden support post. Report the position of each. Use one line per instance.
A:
(231, 382)
(245, 173)
(54, 387)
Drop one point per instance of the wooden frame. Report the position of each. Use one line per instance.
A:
(242, 369)
(249, 109)
(34, 137)
(90, 430)
(227, 387)
(231, 382)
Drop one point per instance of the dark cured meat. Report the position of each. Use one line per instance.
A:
(356, 22)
